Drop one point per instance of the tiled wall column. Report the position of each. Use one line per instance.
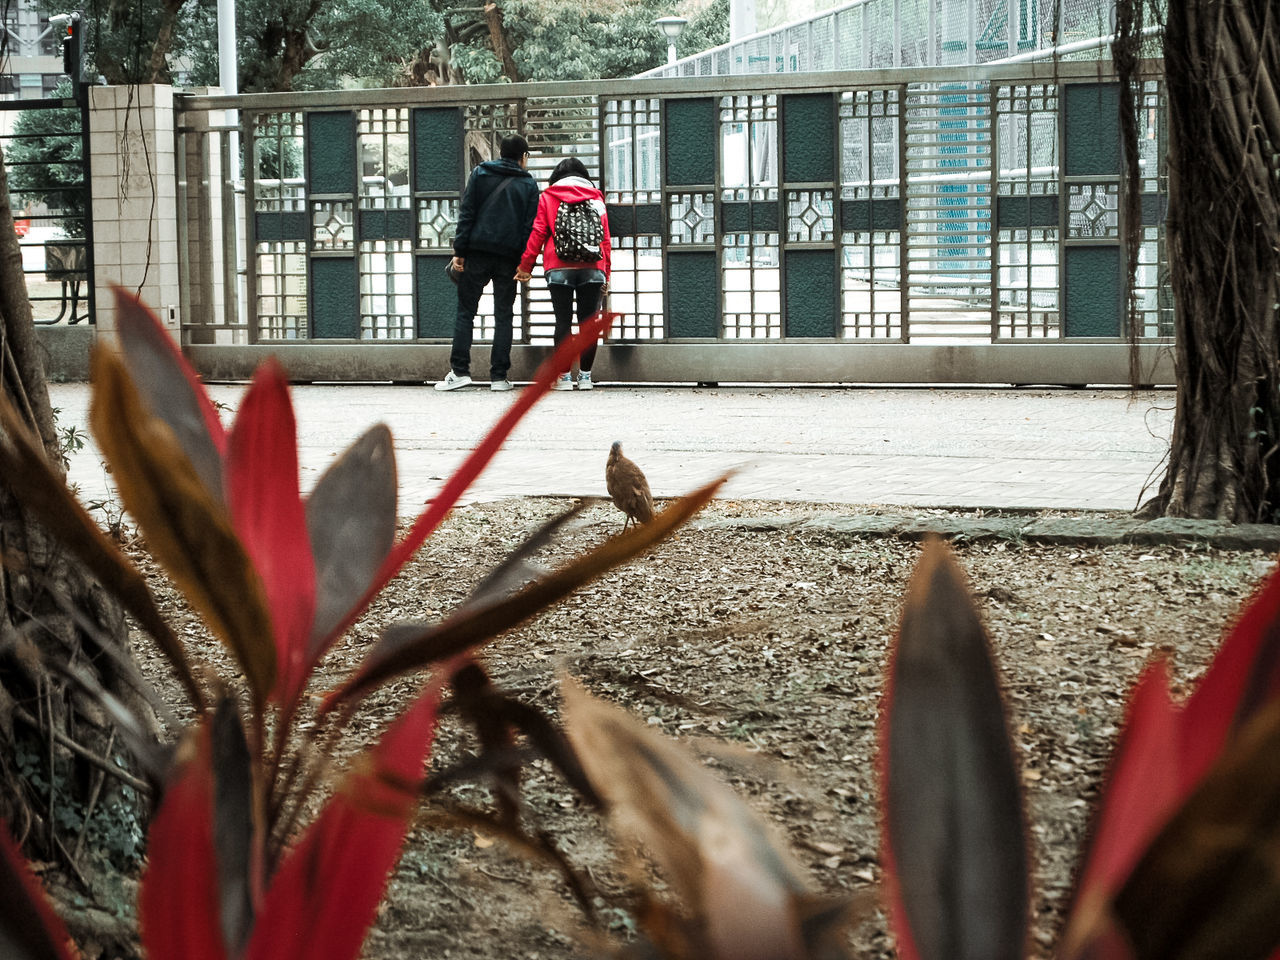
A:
(135, 234)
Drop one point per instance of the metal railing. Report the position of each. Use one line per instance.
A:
(47, 159)
(941, 223)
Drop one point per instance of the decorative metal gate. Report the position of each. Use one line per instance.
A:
(846, 217)
(948, 186)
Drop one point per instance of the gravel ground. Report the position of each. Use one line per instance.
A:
(775, 643)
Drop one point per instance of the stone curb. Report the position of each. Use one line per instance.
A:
(1100, 531)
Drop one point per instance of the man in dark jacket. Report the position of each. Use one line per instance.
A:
(494, 221)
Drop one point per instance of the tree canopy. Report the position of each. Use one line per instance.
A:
(305, 44)
(44, 157)
(609, 39)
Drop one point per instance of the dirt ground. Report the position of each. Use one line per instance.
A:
(775, 642)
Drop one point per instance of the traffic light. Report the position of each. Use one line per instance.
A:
(72, 51)
(72, 48)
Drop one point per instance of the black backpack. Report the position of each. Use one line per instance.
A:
(578, 232)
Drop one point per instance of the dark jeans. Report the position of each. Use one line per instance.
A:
(480, 269)
(587, 287)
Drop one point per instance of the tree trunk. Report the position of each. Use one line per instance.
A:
(297, 51)
(1222, 63)
(291, 37)
(158, 66)
(498, 37)
(54, 742)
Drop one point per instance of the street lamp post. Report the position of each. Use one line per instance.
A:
(228, 73)
(671, 28)
(227, 78)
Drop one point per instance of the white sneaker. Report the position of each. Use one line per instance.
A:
(584, 381)
(453, 382)
(564, 383)
(500, 386)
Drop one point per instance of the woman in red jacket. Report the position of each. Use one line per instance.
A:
(571, 232)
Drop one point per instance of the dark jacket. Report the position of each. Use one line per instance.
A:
(505, 227)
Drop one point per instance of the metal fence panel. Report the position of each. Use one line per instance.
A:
(910, 206)
(47, 160)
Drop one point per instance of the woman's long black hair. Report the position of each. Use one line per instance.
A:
(568, 167)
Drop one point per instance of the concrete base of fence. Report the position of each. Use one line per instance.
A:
(66, 351)
(1069, 364)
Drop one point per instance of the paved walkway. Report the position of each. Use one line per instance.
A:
(917, 447)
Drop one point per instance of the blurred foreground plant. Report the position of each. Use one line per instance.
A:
(1183, 853)
(233, 867)
(1184, 857)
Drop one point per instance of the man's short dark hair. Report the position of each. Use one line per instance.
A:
(514, 147)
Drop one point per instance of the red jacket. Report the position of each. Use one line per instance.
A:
(570, 190)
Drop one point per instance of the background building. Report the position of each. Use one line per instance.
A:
(32, 64)
(886, 34)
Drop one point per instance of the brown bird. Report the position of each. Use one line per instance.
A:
(628, 487)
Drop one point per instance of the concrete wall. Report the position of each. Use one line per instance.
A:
(66, 351)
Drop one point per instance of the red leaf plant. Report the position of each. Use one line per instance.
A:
(1181, 857)
(1181, 861)
(326, 891)
(29, 929)
(278, 578)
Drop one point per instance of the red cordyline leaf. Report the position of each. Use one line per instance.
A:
(274, 540)
(1142, 792)
(178, 900)
(1143, 788)
(953, 838)
(1163, 753)
(268, 516)
(904, 944)
(1244, 676)
(29, 929)
(559, 362)
(171, 388)
(609, 317)
(321, 902)
(323, 899)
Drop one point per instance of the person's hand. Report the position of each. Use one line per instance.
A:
(460, 264)
(604, 290)
(524, 276)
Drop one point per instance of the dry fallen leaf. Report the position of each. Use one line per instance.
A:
(726, 867)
